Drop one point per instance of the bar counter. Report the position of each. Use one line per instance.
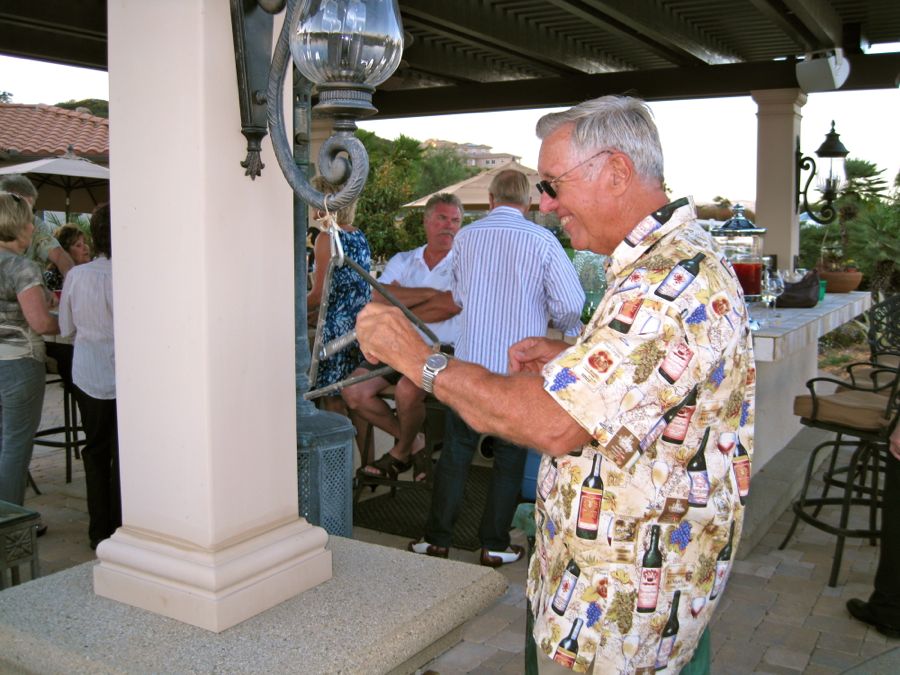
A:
(786, 352)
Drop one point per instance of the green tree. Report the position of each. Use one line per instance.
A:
(6, 97)
(441, 167)
(97, 106)
(722, 202)
(394, 170)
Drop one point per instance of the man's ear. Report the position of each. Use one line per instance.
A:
(620, 173)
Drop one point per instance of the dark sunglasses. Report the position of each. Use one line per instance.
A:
(548, 187)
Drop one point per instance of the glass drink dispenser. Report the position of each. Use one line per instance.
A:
(742, 242)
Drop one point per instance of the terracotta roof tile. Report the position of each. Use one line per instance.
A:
(29, 131)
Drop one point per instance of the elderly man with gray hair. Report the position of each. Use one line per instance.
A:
(646, 422)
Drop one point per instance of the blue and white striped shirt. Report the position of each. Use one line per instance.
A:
(512, 278)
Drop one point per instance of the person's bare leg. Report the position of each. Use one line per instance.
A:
(362, 398)
(410, 401)
(366, 449)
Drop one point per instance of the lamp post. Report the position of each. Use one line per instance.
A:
(829, 182)
(342, 50)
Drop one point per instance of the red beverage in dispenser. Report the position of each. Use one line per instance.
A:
(749, 274)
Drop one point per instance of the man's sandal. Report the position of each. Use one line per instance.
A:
(386, 466)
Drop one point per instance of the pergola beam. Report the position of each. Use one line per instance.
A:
(870, 71)
(651, 26)
(487, 27)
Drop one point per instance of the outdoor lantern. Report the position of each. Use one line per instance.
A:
(830, 177)
(347, 48)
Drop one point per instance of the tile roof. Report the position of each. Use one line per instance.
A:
(30, 131)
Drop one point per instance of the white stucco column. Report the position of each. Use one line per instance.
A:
(203, 286)
(778, 128)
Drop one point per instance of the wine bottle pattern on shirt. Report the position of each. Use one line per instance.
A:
(679, 277)
(661, 424)
(590, 502)
(676, 431)
(723, 565)
(651, 574)
(698, 475)
(669, 634)
(740, 466)
(566, 587)
(676, 362)
(567, 650)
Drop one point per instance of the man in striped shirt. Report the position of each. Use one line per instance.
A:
(512, 279)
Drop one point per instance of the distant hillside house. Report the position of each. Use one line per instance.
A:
(30, 131)
(473, 154)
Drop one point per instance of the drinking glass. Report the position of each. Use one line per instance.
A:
(630, 649)
(774, 285)
(659, 474)
(725, 444)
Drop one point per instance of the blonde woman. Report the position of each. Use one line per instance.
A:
(24, 317)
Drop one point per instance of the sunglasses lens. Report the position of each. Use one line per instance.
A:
(544, 187)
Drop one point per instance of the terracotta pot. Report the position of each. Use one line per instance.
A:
(841, 282)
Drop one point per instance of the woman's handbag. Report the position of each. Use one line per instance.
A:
(803, 293)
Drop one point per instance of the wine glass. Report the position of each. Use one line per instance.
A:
(659, 474)
(774, 286)
(630, 645)
(697, 605)
(725, 443)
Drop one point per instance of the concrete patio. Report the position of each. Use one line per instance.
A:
(777, 615)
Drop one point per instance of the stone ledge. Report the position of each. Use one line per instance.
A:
(383, 611)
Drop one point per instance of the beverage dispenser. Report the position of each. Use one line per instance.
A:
(742, 242)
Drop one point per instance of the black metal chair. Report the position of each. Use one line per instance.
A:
(862, 415)
(883, 334)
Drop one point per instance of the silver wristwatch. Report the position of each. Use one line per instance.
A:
(434, 364)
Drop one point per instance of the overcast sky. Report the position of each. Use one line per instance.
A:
(709, 145)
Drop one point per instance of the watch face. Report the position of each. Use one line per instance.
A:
(436, 361)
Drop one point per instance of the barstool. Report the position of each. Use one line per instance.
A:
(867, 415)
(433, 428)
(59, 363)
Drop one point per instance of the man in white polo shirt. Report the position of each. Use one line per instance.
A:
(421, 280)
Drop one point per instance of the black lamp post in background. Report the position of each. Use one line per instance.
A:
(342, 50)
(831, 176)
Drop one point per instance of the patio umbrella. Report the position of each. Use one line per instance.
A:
(473, 192)
(67, 183)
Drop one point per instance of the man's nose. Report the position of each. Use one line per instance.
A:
(548, 203)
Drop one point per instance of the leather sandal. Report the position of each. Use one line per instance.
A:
(424, 548)
(387, 466)
(497, 558)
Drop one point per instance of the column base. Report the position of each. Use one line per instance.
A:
(212, 589)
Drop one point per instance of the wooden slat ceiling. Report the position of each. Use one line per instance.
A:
(476, 55)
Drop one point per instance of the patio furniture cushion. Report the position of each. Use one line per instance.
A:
(854, 409)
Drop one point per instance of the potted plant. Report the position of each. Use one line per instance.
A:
(836, 264)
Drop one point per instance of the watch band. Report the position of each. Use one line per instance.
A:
(434, 364)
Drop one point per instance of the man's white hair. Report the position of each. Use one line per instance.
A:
(620, 123)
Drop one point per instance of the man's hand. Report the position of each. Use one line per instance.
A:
(387, 336)
(895, 442)
(532, 354)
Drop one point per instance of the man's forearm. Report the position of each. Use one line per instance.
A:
(438, 307)
(409, 297)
